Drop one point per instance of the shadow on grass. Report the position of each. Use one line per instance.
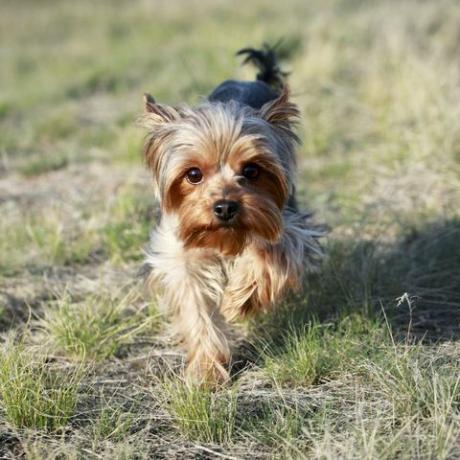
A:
(413, 283)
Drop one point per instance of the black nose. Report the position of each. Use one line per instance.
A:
(225, 209)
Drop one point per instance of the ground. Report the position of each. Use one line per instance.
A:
(363, 363)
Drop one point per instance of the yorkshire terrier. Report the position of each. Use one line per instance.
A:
(230, 240)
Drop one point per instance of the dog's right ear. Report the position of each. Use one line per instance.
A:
(157, 120)
(158, 113)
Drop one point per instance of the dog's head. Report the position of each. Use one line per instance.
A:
(224, 170)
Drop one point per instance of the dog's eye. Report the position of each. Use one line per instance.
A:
(251, 171)
(194, 176)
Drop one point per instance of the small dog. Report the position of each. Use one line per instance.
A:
(230, 240)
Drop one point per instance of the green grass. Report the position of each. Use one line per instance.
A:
(416, 384)
(316, 352)
(43, 165)
(113, 423)
(201, 414)
(404, 405)
(117, 230)
(94, 329)
(362, 363)
(40, 238)
(278, 423)
(33, 394)
(129, 221)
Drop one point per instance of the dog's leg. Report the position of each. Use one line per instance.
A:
(207, 340)
(265, 271)
(191, 305)
(190, 291)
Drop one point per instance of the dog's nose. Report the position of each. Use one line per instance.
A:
(226, 209)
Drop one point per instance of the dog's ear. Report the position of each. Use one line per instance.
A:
(149, 102)
(281, 112)
(157, 119)
(158, 113)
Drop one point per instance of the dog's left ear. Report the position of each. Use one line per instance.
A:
(158, 113)
(281, 112)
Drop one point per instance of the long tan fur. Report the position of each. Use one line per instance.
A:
(207, 274)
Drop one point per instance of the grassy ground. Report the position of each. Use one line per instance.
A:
(363, 364)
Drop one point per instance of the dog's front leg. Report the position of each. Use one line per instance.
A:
(189, 289)
(202, 328)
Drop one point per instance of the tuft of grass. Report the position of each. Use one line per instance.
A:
(316, 352)
(47, 237)
(201, 414)
(34, 394)
(113, 423)
(95, 328)
(415, 384)
(279, 423)
(405, 403)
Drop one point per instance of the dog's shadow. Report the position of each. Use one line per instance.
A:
(412, 283)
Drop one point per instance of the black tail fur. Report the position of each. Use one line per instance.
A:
(266, 61)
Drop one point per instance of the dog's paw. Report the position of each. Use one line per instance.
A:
(203, 371)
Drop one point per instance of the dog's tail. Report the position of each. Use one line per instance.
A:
(266, 60)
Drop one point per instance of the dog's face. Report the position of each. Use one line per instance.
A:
(223, 170)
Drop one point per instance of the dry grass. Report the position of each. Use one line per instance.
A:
(362, 364)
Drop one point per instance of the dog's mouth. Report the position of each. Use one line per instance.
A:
(234, 223)
(229, 238)
(230, 224)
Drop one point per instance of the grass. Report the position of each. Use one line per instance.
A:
(404, 405)
(201, 414)
(94, 329)
(278, 424)
(40, 239)
(116, 230)
(33, 394)
(362, 364)
(316, 352)
(113, 423)
(128, 225)
(43, 165)
(415, 385)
